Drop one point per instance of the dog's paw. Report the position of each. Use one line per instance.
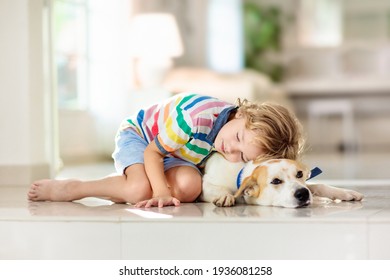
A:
(225, 201)
(334, 193)
(350, 195)
(345, 195)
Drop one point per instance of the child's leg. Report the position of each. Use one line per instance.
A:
(185, 183)
(132, 187)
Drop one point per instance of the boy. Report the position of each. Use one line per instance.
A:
(159, 151)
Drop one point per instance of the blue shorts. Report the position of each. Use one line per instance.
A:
(129, 150)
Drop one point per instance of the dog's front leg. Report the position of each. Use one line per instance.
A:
(219, 195)
(333, 193)
(226, 200)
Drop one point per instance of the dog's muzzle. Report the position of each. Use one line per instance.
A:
(303, 197)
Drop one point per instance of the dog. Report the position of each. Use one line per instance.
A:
(273, 182)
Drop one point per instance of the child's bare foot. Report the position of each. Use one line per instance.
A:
(52, 190)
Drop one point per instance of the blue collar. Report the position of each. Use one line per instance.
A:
(313, 173)
(221, 120)
(239, 178)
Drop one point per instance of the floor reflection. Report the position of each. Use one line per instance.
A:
(101, 208)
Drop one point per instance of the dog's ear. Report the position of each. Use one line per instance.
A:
(250, 185)
(247, 187)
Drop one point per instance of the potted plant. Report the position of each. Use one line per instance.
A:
(262, 39)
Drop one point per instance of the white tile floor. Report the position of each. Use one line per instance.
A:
(97, 229)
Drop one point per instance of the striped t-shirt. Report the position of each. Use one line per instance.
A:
(184, 126)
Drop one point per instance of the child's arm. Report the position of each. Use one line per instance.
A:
(154, 168)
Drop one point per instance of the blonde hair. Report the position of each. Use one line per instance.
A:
(278, 131)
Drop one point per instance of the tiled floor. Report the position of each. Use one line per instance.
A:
(97, 229)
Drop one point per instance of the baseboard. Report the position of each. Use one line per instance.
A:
(22, 175)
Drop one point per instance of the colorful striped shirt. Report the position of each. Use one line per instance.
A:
(184, 126)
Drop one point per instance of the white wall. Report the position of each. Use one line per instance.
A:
(24, 138)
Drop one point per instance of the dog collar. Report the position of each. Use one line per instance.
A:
(239, 179)
(313, 173)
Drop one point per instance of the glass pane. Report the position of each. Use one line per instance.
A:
(70, 43)
(225, 49)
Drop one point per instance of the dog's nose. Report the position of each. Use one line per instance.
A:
(302, 194)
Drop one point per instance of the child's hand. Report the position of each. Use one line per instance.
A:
(158, 201)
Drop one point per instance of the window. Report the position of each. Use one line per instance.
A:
(71, 52)
(225, 38)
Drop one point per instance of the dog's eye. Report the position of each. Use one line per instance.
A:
(276, 181)
(299, 174)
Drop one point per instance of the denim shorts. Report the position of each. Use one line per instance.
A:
(129, 150)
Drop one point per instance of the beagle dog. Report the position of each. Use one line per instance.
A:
(274, 182)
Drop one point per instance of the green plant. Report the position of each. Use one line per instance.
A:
(262, 35)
